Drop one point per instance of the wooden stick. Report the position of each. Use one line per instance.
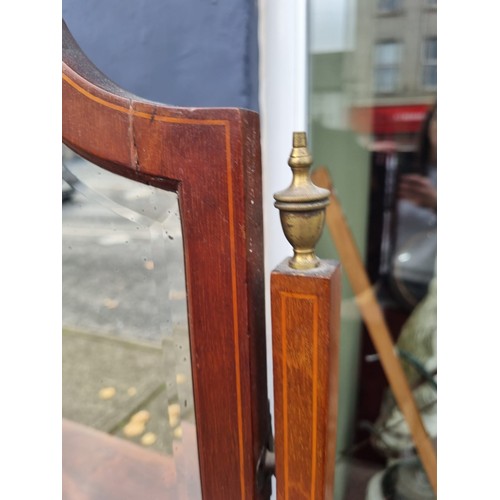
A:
(375, 322)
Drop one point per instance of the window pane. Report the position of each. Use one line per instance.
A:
(430, 49)
(387, 60)
(386, 79)
(389, 5)
(387, 53)
(371, 94)
(430, 76)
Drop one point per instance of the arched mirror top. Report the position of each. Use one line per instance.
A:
(88, 94)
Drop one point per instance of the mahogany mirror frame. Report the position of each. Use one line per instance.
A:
(211, 158)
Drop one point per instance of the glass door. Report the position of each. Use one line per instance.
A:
(373, 119)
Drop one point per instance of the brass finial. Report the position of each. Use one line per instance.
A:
(302, 207)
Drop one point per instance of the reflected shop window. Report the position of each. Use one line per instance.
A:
(373, 122)
(126, 367)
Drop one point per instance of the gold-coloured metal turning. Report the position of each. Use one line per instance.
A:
(302, 207)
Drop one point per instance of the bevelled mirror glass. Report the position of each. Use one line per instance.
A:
(126, 353)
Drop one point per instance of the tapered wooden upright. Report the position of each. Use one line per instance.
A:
(305, 316)
(305, 303)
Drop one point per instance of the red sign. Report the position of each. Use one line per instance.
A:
(388, 120)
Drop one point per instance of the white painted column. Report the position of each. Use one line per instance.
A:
(283, 101)
(283, 104)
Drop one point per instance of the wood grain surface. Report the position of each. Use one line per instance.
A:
(306, 323)
(97, 466)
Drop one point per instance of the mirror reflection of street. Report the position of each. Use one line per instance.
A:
(126, 356)
(109, 276)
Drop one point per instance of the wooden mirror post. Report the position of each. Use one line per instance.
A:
(305, 301)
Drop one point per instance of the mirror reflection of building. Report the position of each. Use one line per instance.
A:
(415, 284)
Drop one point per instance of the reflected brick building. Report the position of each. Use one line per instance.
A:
(393, 72)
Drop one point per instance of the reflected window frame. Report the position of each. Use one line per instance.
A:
(389, 7)
(383, 68)
(429, 64)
